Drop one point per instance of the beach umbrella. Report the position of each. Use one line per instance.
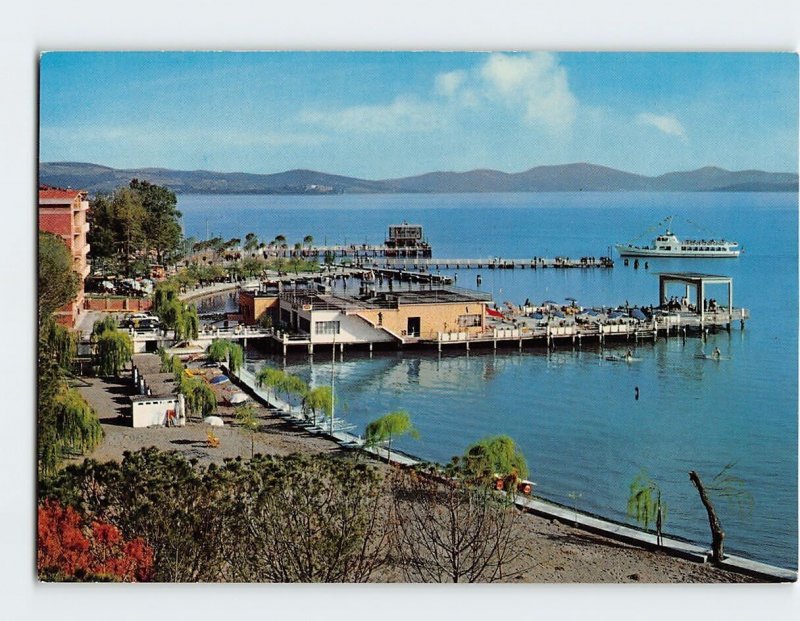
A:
(214, 421)
(615, 315)
(538, 315)
(559, 314)
(219, 379)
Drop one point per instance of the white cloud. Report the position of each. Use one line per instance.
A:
(448, 83)
(402, 114)
(533, 84)
(666, 124)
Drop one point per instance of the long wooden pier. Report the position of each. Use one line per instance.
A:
(488, 263)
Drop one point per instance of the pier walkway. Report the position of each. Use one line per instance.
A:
(488, 263)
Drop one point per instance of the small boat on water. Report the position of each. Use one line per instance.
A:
(613, 358)
(667, 244)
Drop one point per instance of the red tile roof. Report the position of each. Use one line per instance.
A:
(46, 192)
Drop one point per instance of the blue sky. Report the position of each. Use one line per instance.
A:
(382, 115)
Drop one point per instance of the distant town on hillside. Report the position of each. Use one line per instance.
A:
(559, 178)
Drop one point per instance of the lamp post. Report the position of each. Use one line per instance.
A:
(333, 362)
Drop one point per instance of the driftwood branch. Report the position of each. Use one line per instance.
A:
(717, 534)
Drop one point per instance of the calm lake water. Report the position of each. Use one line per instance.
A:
(572, 412)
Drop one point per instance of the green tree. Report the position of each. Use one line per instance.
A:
(180, 510)
(60, 344)
(200, 398)
(387, 427)
(308, 519)
(127, 225)
(645, 504)
(58, 283)
(113, 350)
(103, 325)
(223, 350)
(247, 418)
(67, 426)
(308, 240)
(251, 242)
(161, 224)
(495, 456)
(319, 400)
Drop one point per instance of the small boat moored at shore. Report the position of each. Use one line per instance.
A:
(667, 244)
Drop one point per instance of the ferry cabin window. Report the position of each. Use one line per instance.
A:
(468, 321)
(326, 327)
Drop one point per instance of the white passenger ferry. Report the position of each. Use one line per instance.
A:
(667, 244)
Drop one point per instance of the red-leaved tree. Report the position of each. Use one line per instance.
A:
(69, 550)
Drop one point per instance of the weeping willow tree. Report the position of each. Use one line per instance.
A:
(495, 456)
(174, 314)
(280, 381)
(222, 350)
(270, 378)
(164, 294)
(385, 428)
(170, 364)
(61, 344)
(200, 399)
(77, 430)
(189, 324)
(106, 324)
(319, 400)
(113, 350)
(645, 504)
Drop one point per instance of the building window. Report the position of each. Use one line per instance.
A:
(469, 321)
(326, 327)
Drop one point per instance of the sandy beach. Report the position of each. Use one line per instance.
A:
(550, 551)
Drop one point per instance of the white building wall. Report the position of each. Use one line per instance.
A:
(153, 412)
(352, 328)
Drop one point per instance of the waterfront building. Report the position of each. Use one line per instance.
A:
(382, 317)
(63, 212)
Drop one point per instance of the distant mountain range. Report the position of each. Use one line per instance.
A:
(562, 178)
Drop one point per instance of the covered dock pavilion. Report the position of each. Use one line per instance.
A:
(700, 282)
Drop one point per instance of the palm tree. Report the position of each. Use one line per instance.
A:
(308, 240)
(386, 427)
(250, 242)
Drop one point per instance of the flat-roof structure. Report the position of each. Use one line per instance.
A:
(697, 280)
(156, 400)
